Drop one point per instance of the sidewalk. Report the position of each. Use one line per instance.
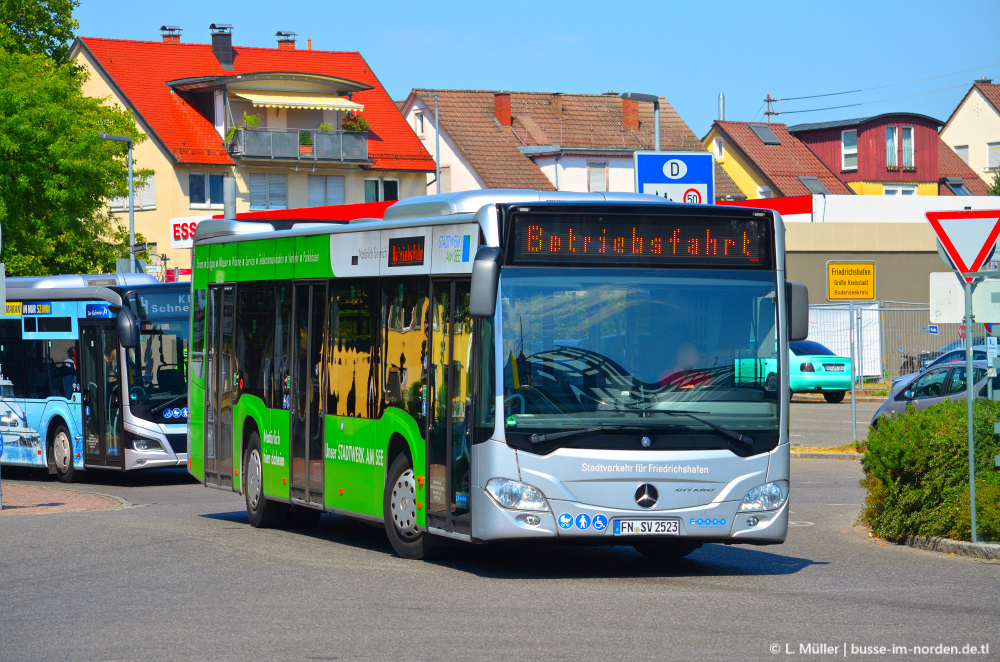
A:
(21, 499)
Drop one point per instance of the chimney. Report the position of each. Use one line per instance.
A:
(630, 114)
(309, 43)
(222, 44)
(722, 106)
(557, 105)
(501, 107)
(286, 40)
(171, 34)
(984, 80)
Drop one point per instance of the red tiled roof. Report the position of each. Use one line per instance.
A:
(782, 164)
(992, 93)
(141, 69)
(570, 121)
(951, 164)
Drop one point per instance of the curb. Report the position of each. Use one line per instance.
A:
(976, 550)
(826, 456)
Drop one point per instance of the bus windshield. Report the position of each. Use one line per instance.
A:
(157, 370)
(631, 348)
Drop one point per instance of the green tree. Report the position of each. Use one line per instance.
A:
(994, 187)
(38, 27)
(56, 175)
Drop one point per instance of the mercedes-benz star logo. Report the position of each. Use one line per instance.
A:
(646, 495)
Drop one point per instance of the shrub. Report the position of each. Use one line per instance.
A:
(917, 473)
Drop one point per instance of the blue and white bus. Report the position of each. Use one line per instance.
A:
(92, 373)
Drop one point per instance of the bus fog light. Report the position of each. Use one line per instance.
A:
(532, 520)
(752, 521)
(769, 496)
(516, 495)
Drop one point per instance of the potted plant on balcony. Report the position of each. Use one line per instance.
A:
(248, 122)
(354, 123)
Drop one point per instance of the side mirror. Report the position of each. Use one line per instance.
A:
(798, 311)
(128, 328)
(485, 280)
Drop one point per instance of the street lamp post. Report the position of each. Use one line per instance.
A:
(655, 100)
(131, 198)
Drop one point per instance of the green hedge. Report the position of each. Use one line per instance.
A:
(917, 473)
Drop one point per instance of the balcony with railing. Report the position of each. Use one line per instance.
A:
(300, 144)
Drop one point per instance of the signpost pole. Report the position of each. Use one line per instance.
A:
(854, 399)
(969, 395)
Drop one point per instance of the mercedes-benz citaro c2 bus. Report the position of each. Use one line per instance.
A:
(93, 373)
(498, 365)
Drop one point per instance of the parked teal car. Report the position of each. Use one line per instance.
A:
(812, 368)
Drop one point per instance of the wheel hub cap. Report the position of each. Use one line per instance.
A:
(253, 478)
(61, 452)
(403, 506)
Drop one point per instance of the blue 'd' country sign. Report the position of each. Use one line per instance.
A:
(98, 310)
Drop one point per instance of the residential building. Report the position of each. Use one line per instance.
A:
(973, 130)
(193, 102)
(887, 154)
(766, 161)
(544, 141)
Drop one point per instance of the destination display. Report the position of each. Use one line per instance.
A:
(406, 251)
(640, 240)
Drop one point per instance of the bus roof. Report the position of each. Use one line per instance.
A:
(106, 287)
(420, 210)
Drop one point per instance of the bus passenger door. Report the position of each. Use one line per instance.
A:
(100, 372)
(306, 416)
(448, 385)
(220, 377)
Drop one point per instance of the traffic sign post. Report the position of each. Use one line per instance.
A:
(851, 281)
(687, 177)
(969, 240)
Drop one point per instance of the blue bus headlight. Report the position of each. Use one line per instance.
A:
(769, 496)
(516, 495)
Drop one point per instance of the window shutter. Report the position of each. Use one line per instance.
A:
(963, 152)
(258, 191)
(335, 190)
(317, 194)
(993, 155)
(597, 177)
(276, 188)
(145, 198)
(118, 204)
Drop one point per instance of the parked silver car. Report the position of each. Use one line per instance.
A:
(978, 354)
(934, 385)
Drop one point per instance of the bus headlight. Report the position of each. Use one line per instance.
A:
(516, 495)
(769, 496)
(145, 444)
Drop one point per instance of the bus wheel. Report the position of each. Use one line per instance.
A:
(400, 508)
(659, 550)
(263, 513)
(62, 454)
(834, 396)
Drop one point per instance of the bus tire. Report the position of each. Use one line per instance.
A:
(263, 513)
(661, 550)
(400, 511)
(62, 454)
(834, 396)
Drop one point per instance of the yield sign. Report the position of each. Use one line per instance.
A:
(968, 237)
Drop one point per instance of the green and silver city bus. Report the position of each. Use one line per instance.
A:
(499, 365)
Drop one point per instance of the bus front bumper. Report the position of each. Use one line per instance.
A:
(715, 522)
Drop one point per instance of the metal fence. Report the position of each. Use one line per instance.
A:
(892, 338)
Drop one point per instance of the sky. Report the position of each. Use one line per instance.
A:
(914, 56)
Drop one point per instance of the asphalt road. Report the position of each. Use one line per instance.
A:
(820, 423)
(182, 575)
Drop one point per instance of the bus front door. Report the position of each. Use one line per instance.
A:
(220, 381)
(448, 384)
(306, 433)
(100, 372)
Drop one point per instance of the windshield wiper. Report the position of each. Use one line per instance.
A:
(551, 436)
(726, 432)
(158, 408)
